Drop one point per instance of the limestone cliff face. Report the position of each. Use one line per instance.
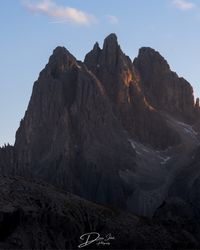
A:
(70, 136)
(122, 83)
(163, 89)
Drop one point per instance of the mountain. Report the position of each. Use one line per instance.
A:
(113, 131)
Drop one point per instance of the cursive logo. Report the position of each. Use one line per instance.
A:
(94, 237)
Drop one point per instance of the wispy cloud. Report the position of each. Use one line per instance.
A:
(183, 4)
(112, 19)
(60, 14)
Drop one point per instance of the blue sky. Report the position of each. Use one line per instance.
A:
(30, 30)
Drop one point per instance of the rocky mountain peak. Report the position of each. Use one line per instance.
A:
(61, 54)
(122, 85)
(59, 50)
(110, 41)
(59, 62)
(152, 58)
(96, 47)
(110, 57)
(163, 88)
(111, 52)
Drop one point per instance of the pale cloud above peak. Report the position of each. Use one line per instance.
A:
(112, 19)
(183, 4)
(60, 14)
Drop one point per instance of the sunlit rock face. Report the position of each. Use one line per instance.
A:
(122, 83)
(163, 89)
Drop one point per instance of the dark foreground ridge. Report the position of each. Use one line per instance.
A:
(35, 215)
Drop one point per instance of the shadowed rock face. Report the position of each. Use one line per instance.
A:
(191, 191)
(123, 86)
(163, 89)
(70, 136)
(35, 215)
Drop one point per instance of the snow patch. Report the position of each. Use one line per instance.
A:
(145, 150)
(132, 144)
(166, 160)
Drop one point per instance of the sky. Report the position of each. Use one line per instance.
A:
(31, 29)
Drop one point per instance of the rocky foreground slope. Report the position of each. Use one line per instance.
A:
(35, 215)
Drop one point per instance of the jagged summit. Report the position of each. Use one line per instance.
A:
(110, 54)
(148, 55)
(61, 55)
(124, 89)
(110, 42)
(111, 57)
(59, 62)
(112, 37)
(163, 89)
(96, 46)
(60, 50)
(148, 51)
(111, 48)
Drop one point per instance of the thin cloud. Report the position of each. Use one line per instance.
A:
(59, 13)
(183, 5)
(112, 19)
